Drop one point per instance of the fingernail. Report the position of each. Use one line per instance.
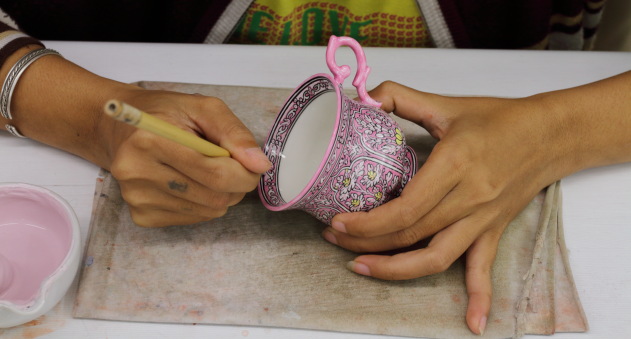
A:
(339, 226)
(482, 325)
(258, 154)
(328, 236)
(358, 268)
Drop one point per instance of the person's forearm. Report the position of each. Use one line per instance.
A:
(60, 104)
(593, 123)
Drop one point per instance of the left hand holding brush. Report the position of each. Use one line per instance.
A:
(166, 183)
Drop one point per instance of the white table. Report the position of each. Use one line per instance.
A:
(597, 202)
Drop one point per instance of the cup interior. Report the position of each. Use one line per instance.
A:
(35, 237)
(307, 144)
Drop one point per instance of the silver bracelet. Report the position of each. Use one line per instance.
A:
(11, 81)
(11, 129)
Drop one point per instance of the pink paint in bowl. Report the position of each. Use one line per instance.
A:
(39, 251)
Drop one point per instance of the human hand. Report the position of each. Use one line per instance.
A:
(492, 158)
(165, 183)
(61, 104)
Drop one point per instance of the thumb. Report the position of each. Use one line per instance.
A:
(426, 109)
(224, 128)
(251, 158)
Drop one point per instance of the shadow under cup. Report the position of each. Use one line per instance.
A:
(331, 154)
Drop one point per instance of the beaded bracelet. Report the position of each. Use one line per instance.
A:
(11, 81)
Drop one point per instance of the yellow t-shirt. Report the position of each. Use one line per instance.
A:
(306, 22)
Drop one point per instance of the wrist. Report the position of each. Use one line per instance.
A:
(584, 128)
(60, 104)
(9, 75)
(555, 150)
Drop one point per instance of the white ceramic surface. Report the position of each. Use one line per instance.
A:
(307, 145)
(39, 251)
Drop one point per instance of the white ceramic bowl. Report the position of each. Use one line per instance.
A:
(39, 251)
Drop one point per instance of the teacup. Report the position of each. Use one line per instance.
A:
(330, 153)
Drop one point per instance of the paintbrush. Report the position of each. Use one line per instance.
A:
(135, 117)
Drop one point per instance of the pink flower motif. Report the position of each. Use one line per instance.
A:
(356, 202)
(372, 175)
(375, 198)
(345, 183)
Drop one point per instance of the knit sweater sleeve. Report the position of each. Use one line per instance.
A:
(11, 40)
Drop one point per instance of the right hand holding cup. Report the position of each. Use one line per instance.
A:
(493, 157)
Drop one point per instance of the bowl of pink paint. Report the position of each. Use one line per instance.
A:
(39, 251)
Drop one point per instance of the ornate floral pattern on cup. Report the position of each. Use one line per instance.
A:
(367, 163)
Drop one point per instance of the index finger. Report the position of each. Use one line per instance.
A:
(425, 109)
(226, 129)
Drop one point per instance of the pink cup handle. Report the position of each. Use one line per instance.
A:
(342, 72)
